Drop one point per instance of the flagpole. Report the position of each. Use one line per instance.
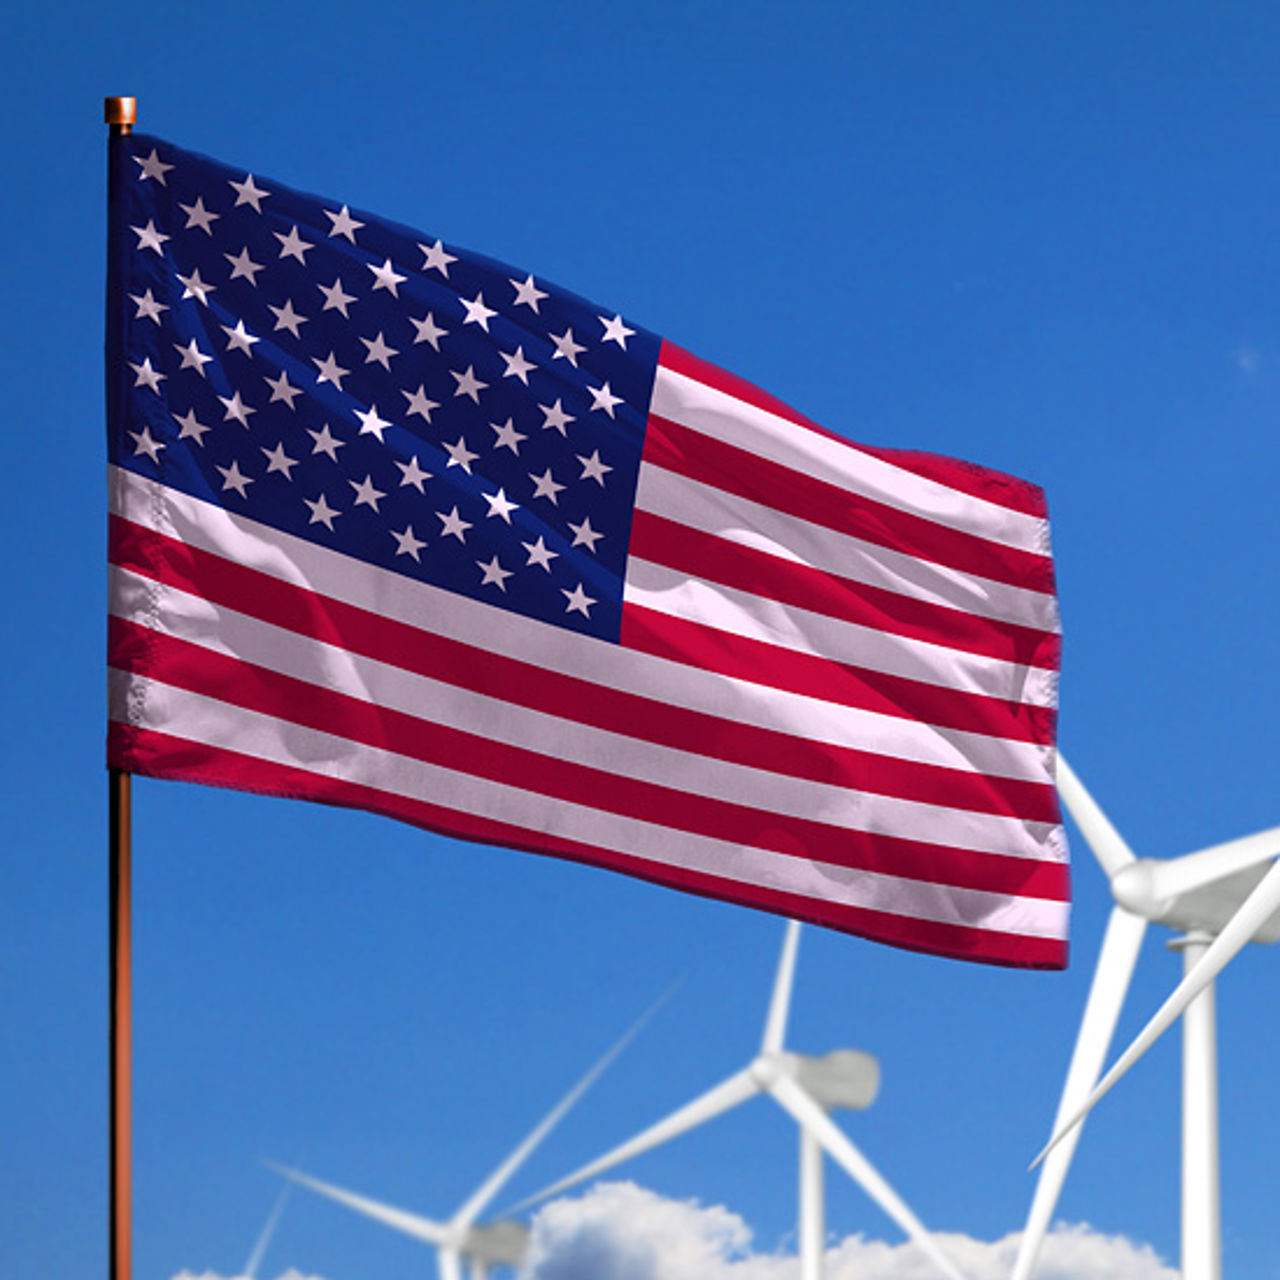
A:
(120, 114)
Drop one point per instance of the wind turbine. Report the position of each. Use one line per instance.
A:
(806, 1088)
(484, 1245)
(264, 1238)
(1200, 896)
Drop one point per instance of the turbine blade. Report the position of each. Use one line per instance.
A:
(775, 1027)
(412, 1224)
(1238, 930)
(810, 1116)
(268, 1230)
(449, 1264)
(1107, 843)
(1195, 870)
(499, 1177)
(1115, 966)
(728, 1093)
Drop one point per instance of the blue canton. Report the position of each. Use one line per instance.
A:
(371, 389)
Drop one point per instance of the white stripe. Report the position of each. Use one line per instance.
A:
(798, 630)
(165, 709)
(702, 506)
(314, 568)
(724, 417)
(177, 613)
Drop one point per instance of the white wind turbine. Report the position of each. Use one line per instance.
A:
(806, 1088)
(1200, 896)
(484, 1245)
(264, 1237)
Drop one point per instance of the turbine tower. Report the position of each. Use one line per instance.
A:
(483, 1245)
(806, 1088)
(1196, 895)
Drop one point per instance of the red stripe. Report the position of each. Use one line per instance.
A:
(967, 477)
(704, 555)
(164, 756)
(695, 645)
(287, 699)
(712, 462)
(359, 631)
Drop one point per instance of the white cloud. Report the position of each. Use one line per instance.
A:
(619, 1231)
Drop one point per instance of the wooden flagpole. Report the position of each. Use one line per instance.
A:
(120, 114)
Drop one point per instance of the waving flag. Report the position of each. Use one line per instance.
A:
(398, 527)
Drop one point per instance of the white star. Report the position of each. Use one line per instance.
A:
(555, 417)
(386, 277)
(147, 376)
(428, 330)
(243, 265)
(149, 237)
(192, 427)
(366, 492)
(508, 436)
(460, 455)
(500, 505)
(546, 487)
(335, 297)
(494, 574)
(330, 370)
(603, 398)
(540, 553)
(343, 223)
(287, 318)
(579, 601)
(593, 468)
(232, 478)
(148, 306)
(413, 474)
(419, 403)
(517, 365)
(527, 293)
(199, 216)
(322, 512)
(282, 390)
(379, 351)
(239, 338)
(278, 460)
(145, 444)
(469, 384)
(194, 287)
(584, 535)
(566, 348)
(153, 167)
(248, 193)
(236, 409)
(192, 357)
(293, 245)
(454, 524)
(616, 331)
(326, 442)
(436, 259)
(406, 543)
(477, 312)
(371, 424)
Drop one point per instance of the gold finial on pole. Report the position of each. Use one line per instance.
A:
(121, 114)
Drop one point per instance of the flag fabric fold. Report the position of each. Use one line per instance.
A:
(398, 527)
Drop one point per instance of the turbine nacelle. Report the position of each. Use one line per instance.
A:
(1142, 887)
(845, 1079)
(501, 1243)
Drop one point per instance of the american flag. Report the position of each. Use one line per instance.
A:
(399, 527)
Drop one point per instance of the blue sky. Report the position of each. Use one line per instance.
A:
(1039, 237)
